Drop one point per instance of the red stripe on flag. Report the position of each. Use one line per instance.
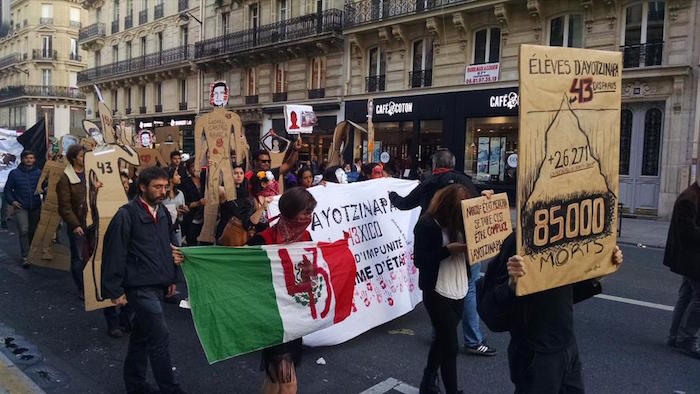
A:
(343, 270)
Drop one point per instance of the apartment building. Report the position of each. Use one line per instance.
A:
(39, 64)
(443, 73)
(140, 56)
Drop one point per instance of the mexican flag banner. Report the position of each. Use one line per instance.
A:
(249, 298)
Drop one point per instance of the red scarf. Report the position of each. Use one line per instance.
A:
(291, 230)
(440, 171)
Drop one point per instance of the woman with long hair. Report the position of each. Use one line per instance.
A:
(175, 202)
(279, 362)
(305, 177)
(194, 190)
(439, 254)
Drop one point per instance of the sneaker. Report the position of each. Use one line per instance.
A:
(481, 349)
(115, 333)
(689, 348)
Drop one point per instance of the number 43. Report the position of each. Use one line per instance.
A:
(582, 88)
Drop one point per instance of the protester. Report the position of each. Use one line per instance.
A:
(377, 172)
(138, 268)
(19, 192)
(262, 193)
(175, 159)
(175, 203)
(358, 165)
(443, 277)
(305, 177)
(682, 256)
(542, 354)
(296, 207)
(194, 190)
(126, 182)
(262, 162)
(240, 208)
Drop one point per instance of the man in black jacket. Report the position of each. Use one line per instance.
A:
(138, 267)
(542, 353)
(682, 256)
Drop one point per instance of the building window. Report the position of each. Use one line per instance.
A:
(487, 45)
(77, 115)
(652, 142)
(143, 46)
(281, 10)
(115, 97)
(280, 77)
(643, 36)
(46, 46)
(129, 7)
(115, 53)
(566, 31)
(74, 49)
(159, 48)
(183, 91)
(144, 5)
(159, 92)
(46, 11)
(251, 84)
(225, 17)
(377, 70)
(46, 77)
(422, 72)
(128, 50)
(72, 79)
(142, 94)
(128, 99)
(98, 58)
(625, 141)
(184, 35)
(75, 17)
(318, 73)
(115, 10)
(253, 16)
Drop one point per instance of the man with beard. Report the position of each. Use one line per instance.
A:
(138, 268)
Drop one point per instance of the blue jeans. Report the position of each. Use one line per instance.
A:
(26, 226)
(149, 341)
(470, 317)
(76, 259)
(686, 315)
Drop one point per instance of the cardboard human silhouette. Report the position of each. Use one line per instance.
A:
(216, 135)
(148, 156)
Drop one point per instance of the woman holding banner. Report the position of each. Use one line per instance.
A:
(439, 254)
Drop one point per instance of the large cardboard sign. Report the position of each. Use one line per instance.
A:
(568, 158)
(299, 119)
(486, 224)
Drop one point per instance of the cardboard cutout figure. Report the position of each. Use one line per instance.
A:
(43, 252)
(168, 141)
(108, 133)
(66, 141)
(568, 165)
(216, 135)
(148, 157)
(276, 147)
(341, 140)
(125, 134)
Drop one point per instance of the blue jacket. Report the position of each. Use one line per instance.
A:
(20, 187)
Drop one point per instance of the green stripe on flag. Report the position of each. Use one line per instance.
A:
(232, 299)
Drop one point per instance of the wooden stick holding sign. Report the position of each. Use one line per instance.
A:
(568, 163)
(486, 225)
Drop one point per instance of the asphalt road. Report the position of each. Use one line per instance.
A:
(621, 344)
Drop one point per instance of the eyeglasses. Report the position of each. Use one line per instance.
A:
(266, 161)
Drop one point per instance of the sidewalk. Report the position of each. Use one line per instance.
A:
(13, 380)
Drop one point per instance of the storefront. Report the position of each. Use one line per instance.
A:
(480, 127)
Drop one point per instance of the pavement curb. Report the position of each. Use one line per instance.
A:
(13, 380)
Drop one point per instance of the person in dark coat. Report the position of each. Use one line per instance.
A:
(138, 268)
(682, 256)
(19, 192)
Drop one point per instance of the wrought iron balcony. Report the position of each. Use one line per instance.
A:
(421, 78)
(159, 107)
(75, 57)
(142, 110)
(11, 92)
(143, 17)
(45, 54)
(74, 24)
(317, 93)
(182, 5)
(115, 27)
(46, 21)
(128, 21)
(277, 97)
(96, 30)
(376, 83)
(158, 11)
(141, 64)
(183, 106)
(9, 60)
(127, 110)
(301, 27)
(251, 99)
(642, 55)
(359, 12)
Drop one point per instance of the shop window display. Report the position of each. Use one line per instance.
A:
(491, 144)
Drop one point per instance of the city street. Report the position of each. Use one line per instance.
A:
(621, 342)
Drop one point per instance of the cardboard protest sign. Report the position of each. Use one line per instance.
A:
(108, 133)
(299, 119)
(568, 162)
(486, 225)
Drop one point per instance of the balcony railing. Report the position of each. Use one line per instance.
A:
(421, 78)
(642, 55)
(44, 54)
(183, 107)
(158, 11)
(115, 26)
(127, 110)
(46, 21)
(360, 12)
(74, 24)
(317, 93)
(376, 83)
(138, 64)
(93, 31)
(159, 107)
(277, 97)
(251, 99)
(75, 57)
(11, 92)
(142, 110)
(9, 60)
(182, 5)
(329, 21)
(143, 17)
(128, 21)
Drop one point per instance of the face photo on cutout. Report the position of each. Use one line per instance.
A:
(145, 138)
(218, 94)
